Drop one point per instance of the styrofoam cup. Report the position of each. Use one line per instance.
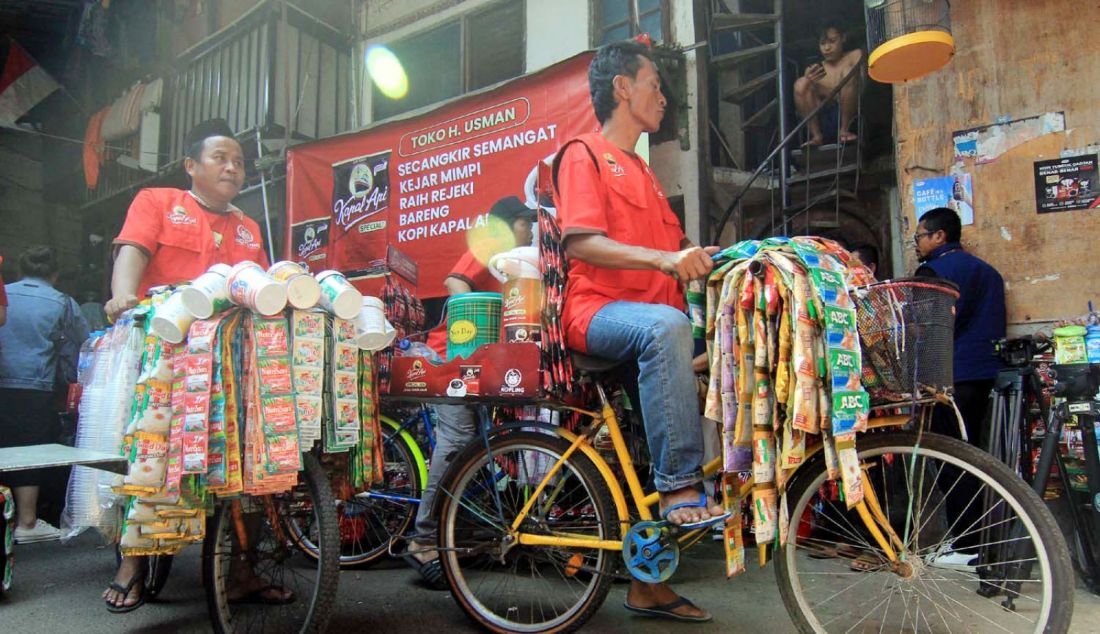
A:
(370, 325)
(251, 287)
(208, 293)
(172, 319)
(302, 290)
(338, 296)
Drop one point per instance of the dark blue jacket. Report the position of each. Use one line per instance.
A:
(979, 312)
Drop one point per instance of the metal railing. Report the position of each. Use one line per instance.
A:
(276, 71)
(782, 148)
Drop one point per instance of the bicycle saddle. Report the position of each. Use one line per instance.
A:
(593, 365)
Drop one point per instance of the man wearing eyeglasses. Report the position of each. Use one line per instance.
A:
(979, 321)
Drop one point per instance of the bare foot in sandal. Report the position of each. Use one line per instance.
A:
(659, 600)
(688, 506)
(127, 592)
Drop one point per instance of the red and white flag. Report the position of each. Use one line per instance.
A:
(23, 84)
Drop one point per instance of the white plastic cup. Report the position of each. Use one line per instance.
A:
(302, 290)
(338, 296)
(251, 287)
(370, 325)
(172, 319)
(208, 293)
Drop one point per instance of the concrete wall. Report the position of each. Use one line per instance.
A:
(25, 218)
(1014, 58)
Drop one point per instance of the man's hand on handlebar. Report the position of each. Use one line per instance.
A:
(688, 264)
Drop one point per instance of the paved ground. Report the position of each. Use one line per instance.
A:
(57, 590)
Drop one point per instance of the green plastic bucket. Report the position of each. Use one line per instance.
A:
(473, 319)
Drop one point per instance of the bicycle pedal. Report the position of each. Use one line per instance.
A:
(650, 553)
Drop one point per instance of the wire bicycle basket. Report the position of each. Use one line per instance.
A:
(906, 332)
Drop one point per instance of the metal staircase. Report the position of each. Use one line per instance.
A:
(790, 186)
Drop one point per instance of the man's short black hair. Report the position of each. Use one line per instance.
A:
(618, 58)
(196, 138)
(867, 253)
(38, 261)
(943, 219)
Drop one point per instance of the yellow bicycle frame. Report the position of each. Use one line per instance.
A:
(869, 510)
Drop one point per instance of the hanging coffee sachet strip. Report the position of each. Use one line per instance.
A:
(307, 361)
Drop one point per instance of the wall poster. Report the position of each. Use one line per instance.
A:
(1065, 184)
(954, 192)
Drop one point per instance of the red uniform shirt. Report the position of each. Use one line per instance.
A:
(183, 239)
(472, 271)
(616, 195)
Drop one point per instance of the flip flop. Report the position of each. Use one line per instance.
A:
(431, 571)
(259, 596)
(700, 503)
(665, 611)
(125, 592)
(866, 562)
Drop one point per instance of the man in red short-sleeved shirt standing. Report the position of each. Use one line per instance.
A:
(624, 298)
(457, 423)
(172, 236)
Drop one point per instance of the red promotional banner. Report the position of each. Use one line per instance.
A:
(416, 187)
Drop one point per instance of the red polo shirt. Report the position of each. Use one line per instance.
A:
(472, 271)
(183, 239)
(602, 189)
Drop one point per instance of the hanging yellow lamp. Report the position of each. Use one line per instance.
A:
(908, 39)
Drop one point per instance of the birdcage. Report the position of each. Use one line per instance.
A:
(908, 39)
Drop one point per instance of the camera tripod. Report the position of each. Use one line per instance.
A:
(1017, 388)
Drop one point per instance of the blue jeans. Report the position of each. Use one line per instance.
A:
(658, 337)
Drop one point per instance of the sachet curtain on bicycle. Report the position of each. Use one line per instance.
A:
(785, 363)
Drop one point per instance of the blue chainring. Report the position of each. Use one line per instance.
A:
(650, 553)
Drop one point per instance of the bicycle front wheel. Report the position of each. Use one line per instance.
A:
(270, 557)
(507, 587)
(369, 521)
(1013, 575)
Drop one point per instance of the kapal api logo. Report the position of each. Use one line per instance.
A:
(360, 181)
(416, 371)
(179, 216)
(616, 169)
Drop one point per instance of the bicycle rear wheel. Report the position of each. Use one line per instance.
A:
(370, 520)
(833, 576)
(506, 587)
(274, 557)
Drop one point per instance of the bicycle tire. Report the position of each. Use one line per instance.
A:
(363, 545)
(460, 490)
(273, 558)
(880, 452)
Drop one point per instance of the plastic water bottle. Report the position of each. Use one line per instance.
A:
(87, 358)
(1092, 344)
(406, 348)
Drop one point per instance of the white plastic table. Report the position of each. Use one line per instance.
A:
(54, 455)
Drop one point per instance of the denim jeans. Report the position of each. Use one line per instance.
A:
(658, 337)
